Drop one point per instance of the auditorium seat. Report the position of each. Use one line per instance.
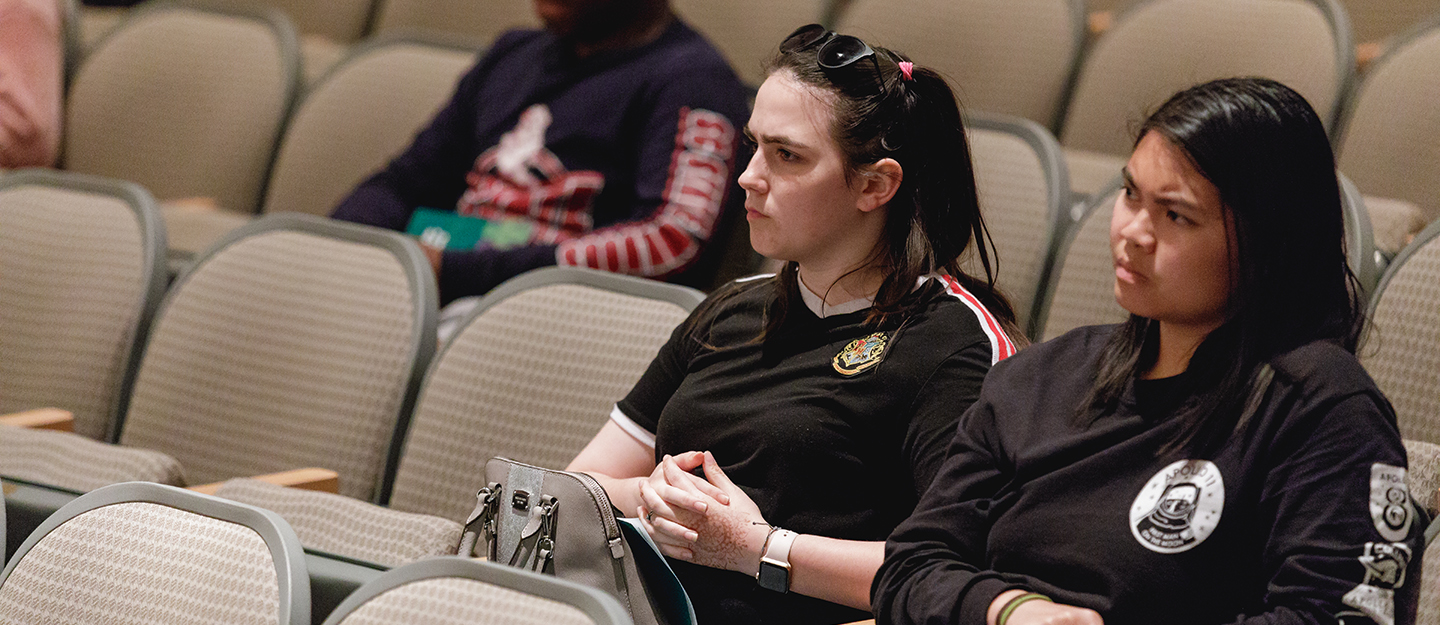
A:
(457, 591)
(81, 272)
(188, 103)
(140, 553)
(1402, 344)
(357, 118)
(1389, 135)
(1024, 192)
(531, 374)
(296, 342)
(1158, 47)
(1004, 56)
(749, 32)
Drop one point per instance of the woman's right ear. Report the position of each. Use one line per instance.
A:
(881, 183)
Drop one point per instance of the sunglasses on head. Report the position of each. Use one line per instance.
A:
(835, 53)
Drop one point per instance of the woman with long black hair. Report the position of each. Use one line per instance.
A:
(1219, 457)
(816, 404)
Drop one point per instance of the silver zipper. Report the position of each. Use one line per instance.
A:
(607, 513)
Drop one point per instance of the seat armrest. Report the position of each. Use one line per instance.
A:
(323, 480)
(42, 419)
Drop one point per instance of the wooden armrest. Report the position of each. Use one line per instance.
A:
(1097, 22)
(323, 480)
(42, 419)
(1366, 53)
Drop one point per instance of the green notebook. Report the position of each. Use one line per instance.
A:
(452, 231)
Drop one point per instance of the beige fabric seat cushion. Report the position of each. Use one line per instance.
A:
(1394, 222)
(1085, 289)
(357, 119)
(1015, 201)
(1125, 75)
(77, 463)
(185, 102)
(1003, 56)
(1423, 475)
(1423, 478)
(1091, 171)
(143, 563)
(349, 527)
(748, 32)
(461, 601)
(1402, 348)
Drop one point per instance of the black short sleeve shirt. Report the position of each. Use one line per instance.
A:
(832, 425)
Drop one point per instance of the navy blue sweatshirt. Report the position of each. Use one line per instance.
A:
(622, 161)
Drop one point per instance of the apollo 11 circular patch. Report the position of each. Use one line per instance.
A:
(1179, 507)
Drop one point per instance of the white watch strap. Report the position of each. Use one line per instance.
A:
(779, 548)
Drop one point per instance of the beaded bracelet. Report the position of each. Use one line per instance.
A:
(1015, 602)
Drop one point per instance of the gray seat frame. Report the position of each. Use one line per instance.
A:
(1057, 179)
(600, 607)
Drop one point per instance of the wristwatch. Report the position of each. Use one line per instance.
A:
(774, 573)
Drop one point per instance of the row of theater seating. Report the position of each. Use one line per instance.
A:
(194, 103)
(295, 342)
(295, 327)
(299, 341)
(139, 553)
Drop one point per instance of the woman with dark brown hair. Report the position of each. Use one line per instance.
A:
(1220, 457)
(816, 404)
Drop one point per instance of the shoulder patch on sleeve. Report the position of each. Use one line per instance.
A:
(1390, 502)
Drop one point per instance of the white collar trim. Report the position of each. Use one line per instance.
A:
(823, 310)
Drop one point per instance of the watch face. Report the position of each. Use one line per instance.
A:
(773, 577)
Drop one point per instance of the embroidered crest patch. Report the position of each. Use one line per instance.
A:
(1389, 501)
(861, 354)
(1179, 507)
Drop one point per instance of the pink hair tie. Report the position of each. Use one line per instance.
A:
(906, 69)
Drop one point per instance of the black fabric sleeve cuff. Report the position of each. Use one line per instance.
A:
(977, 600)
(475, 272)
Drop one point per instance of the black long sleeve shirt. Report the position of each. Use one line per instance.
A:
(1300, 517)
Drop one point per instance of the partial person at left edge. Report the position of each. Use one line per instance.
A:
(31, 74)
(607, 140)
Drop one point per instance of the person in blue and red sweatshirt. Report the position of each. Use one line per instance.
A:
(606, 140)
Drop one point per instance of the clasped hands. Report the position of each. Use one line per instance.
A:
(708, 521)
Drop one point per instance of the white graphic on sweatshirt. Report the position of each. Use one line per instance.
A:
(1179, 507)
(1389, 502)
